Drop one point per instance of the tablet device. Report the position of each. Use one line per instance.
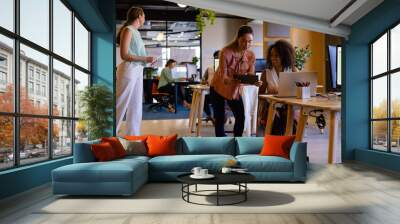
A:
(246, 79)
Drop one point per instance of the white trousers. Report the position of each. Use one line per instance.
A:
(129, 97)
(249, 95)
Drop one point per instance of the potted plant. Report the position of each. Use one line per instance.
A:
(97, 102)
(301, 56)
(200, 19)
(195, 60)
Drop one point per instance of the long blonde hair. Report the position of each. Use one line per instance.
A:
(132, 14)
(243, 30)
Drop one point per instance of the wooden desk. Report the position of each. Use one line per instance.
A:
(306, 105)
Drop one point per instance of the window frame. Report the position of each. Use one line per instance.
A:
(388, 74)
(15, 68)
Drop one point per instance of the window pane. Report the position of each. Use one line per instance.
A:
(81, 45)
(395, 138)
(62, 141)
(33, 139)
(379, 97)
(62, 89)
(81, 81)
(379, 55)
(395, 47)
(379, 135)
(35, 21)
(81, 131)
(6, 74)
(62, 29)
(34, 80)
(7, 14)
(6, 142)
(395, 95)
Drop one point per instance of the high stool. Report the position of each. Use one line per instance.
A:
(196, 109)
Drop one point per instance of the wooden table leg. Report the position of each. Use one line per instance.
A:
(200, 111)
(270, 119)
(193, 111)
(332, 135)
(302, 125)
(289, 120)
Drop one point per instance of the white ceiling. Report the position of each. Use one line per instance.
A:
(313, 15)
(321, 9)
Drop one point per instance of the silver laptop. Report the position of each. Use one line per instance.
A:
(287, 82)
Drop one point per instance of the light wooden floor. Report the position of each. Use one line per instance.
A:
(378, 189)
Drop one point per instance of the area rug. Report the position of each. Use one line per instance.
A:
(163, 114)
(166, 198)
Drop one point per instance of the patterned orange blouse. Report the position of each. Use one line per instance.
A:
(232, 62)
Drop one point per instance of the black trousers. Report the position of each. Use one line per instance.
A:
(170, 89)
(237, 108)
(207, 102)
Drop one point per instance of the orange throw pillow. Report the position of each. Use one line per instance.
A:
(161, 145)
(103, 152)
(136, 138)
(116, 145)
(275, 145)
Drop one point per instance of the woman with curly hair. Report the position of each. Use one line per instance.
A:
(280, 58)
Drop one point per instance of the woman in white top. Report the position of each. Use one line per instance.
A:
(129, 88)
(280, 58)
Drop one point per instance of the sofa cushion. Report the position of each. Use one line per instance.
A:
(161, 145)
(136, 138)
(134, 147)
(275, 145)
(206, 145)
(116, 145)
(103, 152)
(83, 152)
(112, 171)
(185, 163)
(257, 163)
(249, 145)
(133, 157)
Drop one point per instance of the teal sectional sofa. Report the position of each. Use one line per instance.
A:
(125, 176)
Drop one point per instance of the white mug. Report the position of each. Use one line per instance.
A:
(203, 172)
(226, 170)
(196, 170)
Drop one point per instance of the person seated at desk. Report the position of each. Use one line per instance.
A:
(206, 80)
(165, 84)
(280, 58)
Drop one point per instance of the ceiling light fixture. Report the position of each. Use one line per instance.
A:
(181, 5)
(160, 36)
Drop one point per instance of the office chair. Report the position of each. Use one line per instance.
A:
(162, 99)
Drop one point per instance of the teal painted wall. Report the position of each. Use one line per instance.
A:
(99, 16)
(356, 98)
(103, 45)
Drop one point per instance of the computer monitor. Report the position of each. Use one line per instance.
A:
(287, 82)
(191, 70)
(335, 64)
(261, 64)
(179, 71)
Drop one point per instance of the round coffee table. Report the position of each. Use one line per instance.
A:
(238, 179)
